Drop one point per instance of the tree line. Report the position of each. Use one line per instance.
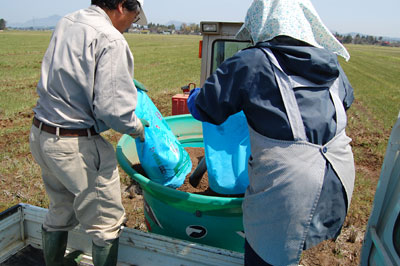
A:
(3, 24)
(184, 28)
(364, 39)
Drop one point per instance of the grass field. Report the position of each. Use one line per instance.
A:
(164, 64)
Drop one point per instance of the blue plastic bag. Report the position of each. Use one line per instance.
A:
(162, 157)
(227, 151)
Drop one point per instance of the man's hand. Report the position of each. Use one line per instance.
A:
(139, 133)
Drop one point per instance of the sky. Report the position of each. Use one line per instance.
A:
(377, 18)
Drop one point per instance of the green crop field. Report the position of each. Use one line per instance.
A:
(164, 64)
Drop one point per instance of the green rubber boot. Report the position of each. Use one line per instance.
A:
(105, 256)
(54, 246)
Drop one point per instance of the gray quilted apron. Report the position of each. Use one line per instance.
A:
(286, 177)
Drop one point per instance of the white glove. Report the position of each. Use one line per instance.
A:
(139, 132)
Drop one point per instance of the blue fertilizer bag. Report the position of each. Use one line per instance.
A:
(162, 157)
(227, 151)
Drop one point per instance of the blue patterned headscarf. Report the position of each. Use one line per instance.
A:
(298, 19)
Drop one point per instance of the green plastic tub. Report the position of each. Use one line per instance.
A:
(214, 221)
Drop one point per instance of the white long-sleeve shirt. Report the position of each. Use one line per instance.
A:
(87, 75)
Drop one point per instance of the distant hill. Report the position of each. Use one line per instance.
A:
(37, 23)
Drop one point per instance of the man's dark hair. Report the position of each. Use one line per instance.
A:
(131, 5)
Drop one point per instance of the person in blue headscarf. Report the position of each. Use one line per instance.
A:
(295, 95)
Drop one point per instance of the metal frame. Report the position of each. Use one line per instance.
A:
(226, 31)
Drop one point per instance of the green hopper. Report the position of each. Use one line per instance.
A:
(209, 220)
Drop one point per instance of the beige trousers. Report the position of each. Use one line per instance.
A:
(81, 178)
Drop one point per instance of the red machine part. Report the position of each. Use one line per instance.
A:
(179, 101)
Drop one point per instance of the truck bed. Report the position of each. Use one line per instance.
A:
(20, 241)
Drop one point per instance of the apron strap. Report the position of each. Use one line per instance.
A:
(289, 99)
(287, 83)
(341, 118)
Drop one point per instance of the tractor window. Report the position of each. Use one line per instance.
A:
(223, 49)
(396, 235)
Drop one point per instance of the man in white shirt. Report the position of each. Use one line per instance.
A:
(86, 87)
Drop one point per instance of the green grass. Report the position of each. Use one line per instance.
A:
(20, 58)
(167, 62)
(374, 72)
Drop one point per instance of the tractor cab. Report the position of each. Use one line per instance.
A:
(217, 45)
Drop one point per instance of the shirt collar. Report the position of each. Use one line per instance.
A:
(100, 11)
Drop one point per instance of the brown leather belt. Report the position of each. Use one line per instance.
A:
(63, 131)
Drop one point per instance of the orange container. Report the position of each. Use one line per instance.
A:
(179, 104)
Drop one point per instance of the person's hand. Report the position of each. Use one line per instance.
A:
(191, 104)
(139, 85)
(139, 133)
